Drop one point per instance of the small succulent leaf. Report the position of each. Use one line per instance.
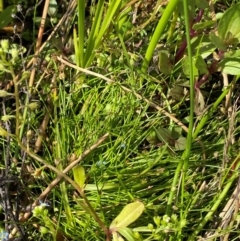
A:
(180, 144)
(219, 43)
(230, 66)
(79, 175)
(229, 27)
(219, 15)
(204, 25)
(6, 16)
(176, 132)
(164, 62)
(127, 233)
(202, 4)
(152, 137)
(128, 215)
(201, 65)
(164, 134)
(53, 6)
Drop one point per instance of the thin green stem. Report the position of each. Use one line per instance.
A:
(158, 33)
(174, 187)
(81, 31)
(16, 94)
(187, 152)
(183, 164)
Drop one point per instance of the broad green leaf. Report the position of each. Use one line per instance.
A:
(203, 46)
(164, 62)
(232, 54)
(201, 65)
(229, 25)
(53, 6)
(79, 175)
(218, 42)
(230, 66)
(128, 215)
(6, 16)
(127, 233)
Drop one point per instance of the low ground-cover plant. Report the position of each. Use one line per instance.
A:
(122, 125)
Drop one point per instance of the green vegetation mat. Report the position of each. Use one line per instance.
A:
(119, 120)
